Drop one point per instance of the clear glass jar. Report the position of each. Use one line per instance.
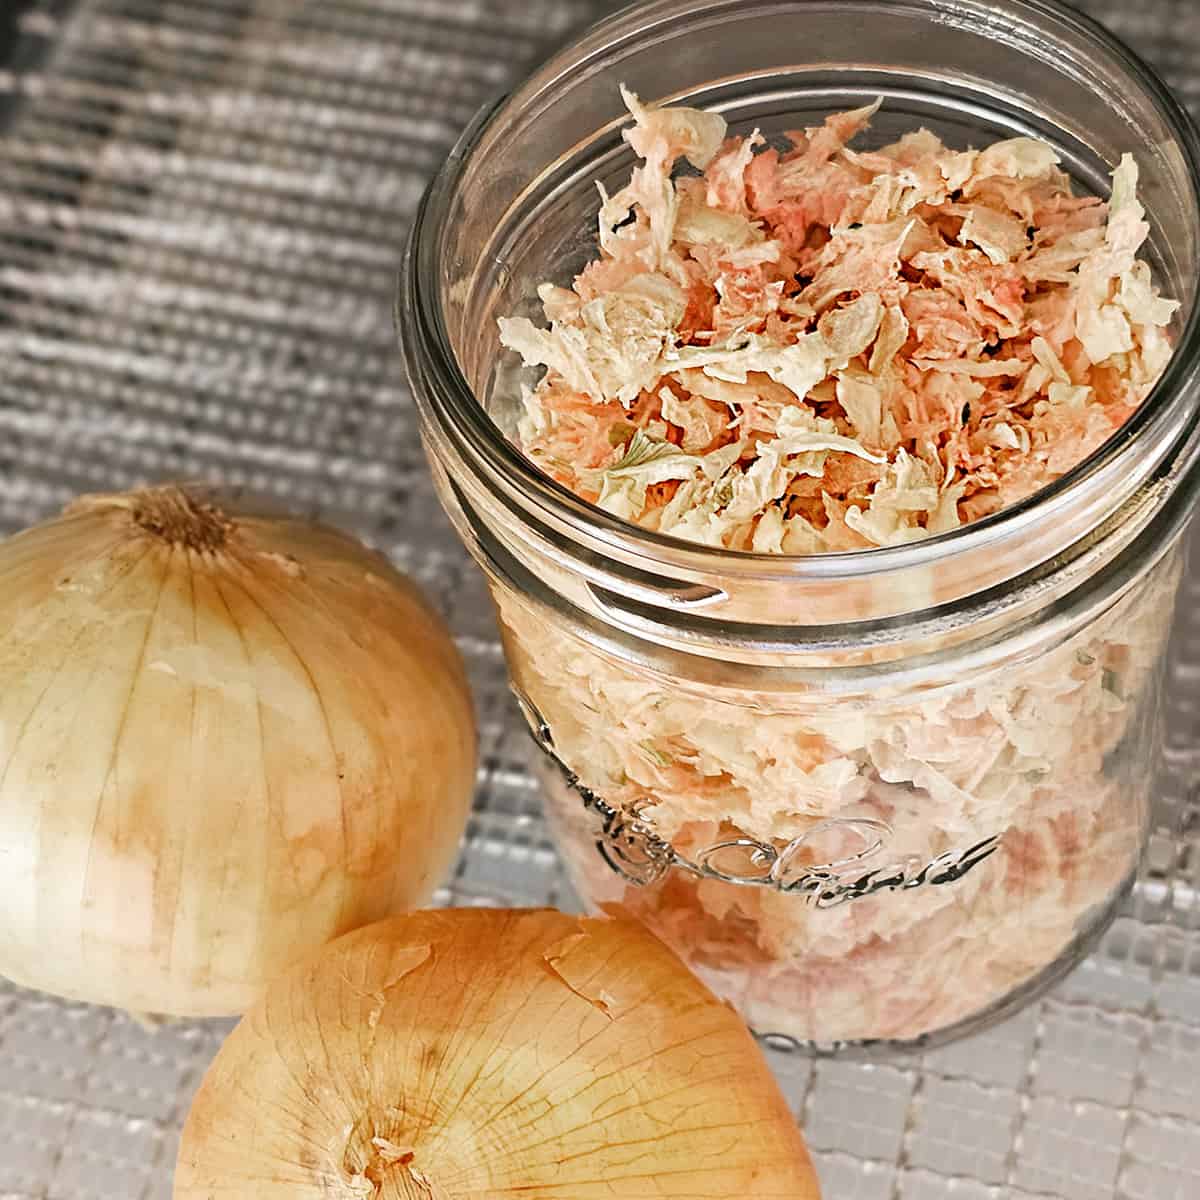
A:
(871, 797)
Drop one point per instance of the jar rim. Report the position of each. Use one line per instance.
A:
(485, 443)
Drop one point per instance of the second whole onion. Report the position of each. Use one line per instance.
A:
(482, 1054)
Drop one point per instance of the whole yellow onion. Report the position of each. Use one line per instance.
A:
(224, 740)
(478, 1054)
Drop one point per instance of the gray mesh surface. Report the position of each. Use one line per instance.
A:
(201, 208)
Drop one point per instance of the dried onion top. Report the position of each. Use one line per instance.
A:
(809, 348)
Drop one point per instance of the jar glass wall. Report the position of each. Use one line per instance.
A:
(871, 796)
(906, 860)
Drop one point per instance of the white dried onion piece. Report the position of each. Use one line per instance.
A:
(224, 740)
(478, 1054)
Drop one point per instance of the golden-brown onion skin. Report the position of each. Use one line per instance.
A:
(494, 1053)
(223, 742)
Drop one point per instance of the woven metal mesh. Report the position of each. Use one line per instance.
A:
(201, 209)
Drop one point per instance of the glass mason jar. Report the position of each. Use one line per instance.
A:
(871, 797)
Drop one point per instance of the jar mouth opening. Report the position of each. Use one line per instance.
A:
(485, 442)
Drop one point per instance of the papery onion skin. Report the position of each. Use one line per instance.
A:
(224, 740)
(480, 1053)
